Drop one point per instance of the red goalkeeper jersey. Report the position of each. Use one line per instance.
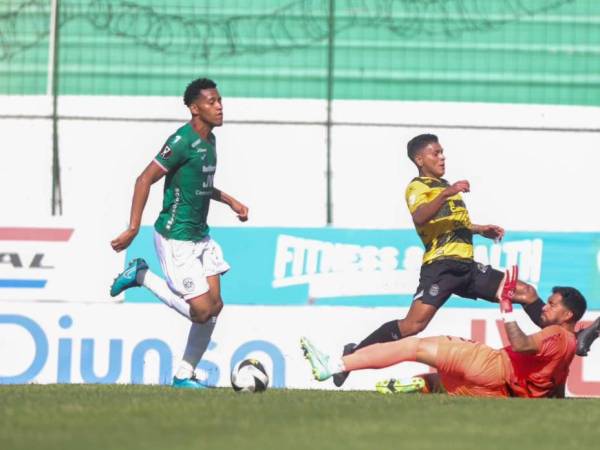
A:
(539, 374)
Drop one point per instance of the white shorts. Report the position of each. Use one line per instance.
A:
(186, 264)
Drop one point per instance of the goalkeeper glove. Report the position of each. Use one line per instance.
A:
(507, 294)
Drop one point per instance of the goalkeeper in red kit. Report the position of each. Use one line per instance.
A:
(532, 366)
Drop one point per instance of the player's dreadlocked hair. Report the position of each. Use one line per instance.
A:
(573, 300)
(419, 142)
(193, 90)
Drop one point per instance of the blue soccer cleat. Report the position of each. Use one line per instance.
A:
(128, 278)
(187, 383)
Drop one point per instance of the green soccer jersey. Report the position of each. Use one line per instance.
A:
(190, 163)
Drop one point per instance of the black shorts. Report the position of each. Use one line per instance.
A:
(468, 279)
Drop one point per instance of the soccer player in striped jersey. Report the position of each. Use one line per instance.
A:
(190, 259)
(532, 366)
(442, 221)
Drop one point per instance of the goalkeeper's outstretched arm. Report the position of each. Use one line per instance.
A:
(519, 341)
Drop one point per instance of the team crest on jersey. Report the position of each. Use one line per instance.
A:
(166, 152)
(188, 284)
(482, 268)
(434, 290)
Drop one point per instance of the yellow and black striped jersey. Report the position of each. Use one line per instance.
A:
(448, 234)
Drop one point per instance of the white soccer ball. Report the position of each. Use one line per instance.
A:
(249, 376)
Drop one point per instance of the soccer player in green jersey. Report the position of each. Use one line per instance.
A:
(444, 226)
(190, 259)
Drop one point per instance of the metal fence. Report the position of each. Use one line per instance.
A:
(508, 51)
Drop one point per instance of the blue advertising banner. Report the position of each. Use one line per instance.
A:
(355, 267)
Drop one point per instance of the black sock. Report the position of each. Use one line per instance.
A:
(387, 332)
(534, 311)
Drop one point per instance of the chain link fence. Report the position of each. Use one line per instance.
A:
(507, 51)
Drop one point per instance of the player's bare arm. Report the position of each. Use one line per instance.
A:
(238, 207)
(489, 231)
(151, 174)
(426, 212)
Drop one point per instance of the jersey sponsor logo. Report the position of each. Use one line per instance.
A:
(176, 202)
(209, 182)
(203, 153)
(209, 169)
(196, 143)
(201, 150)
(166, 152)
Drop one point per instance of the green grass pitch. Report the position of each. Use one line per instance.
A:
(88, 417)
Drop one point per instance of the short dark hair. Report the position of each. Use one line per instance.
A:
(419, 142)
(573, 300)
(192, 91)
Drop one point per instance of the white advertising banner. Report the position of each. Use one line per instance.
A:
(58, 261)
(142, 343)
